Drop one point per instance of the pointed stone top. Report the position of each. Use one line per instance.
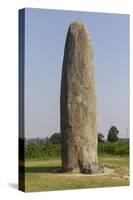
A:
(77, 25)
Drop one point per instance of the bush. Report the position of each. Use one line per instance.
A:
(42, 151)
(117, 148)
(121, 149)
(49, 151)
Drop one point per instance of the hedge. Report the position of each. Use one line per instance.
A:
(42, 151)
(49, 151)
(114, 148)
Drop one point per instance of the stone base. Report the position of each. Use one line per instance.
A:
(93, 168)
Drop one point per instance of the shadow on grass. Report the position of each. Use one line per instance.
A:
(55, 169)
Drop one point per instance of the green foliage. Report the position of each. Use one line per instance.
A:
(42, 151)
(56, 138)
(100, 137)
(49, 151)
(38, 140)
(117, 148)
(113, 134)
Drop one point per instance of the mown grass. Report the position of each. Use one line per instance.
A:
(39, 175)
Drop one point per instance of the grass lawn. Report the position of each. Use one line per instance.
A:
(39, 176)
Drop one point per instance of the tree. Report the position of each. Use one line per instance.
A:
(113, 134)
(56, 138)
(47, 140)
(100, 137)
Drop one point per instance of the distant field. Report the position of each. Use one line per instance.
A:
(39, 176)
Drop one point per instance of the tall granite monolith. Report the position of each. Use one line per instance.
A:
(78, 104)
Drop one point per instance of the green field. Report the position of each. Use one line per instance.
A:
(39, 175)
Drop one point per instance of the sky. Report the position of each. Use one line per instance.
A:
(45, 35)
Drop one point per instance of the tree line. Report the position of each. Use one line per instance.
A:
(112, 135)
(50, 147)
(56, 138)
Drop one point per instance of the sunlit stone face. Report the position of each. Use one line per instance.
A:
(78, 103)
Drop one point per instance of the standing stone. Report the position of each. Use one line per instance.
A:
(78, 103)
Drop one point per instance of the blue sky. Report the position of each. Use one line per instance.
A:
(44, 48)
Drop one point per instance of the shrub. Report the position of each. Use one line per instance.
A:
(114, 148)
(49, 151)
(121, 149)
(42, 151)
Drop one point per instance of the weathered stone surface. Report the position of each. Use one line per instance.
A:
(78, 103)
